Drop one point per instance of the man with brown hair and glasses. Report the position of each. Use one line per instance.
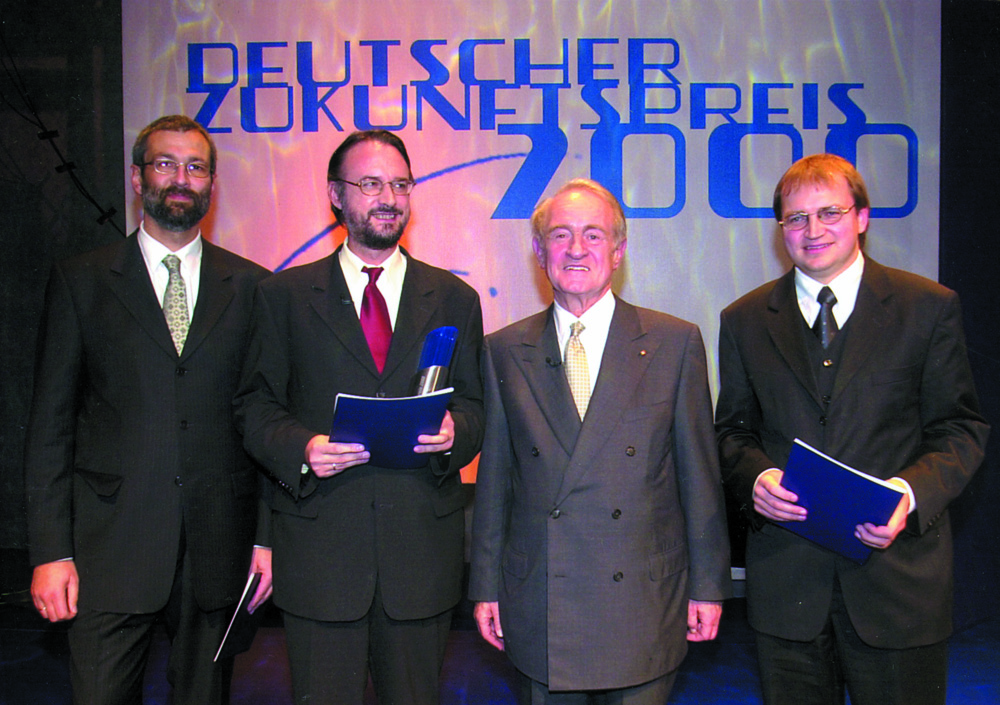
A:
(867, 364)
(142, 504)
(368, 559)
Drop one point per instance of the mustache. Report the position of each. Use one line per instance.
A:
(392, 210)
(179, 191)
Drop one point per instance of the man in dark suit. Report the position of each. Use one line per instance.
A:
(141, 501)
(368, 560)
(599, 535)
(884, 386)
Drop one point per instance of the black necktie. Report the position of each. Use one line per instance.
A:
(825, 326)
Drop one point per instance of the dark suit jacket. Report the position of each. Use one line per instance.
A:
(903, 404)
(593, 536)
(333, 538)
(126, 442)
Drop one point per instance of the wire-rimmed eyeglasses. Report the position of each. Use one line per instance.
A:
(169, 167)
(827, 216)
(370, 186)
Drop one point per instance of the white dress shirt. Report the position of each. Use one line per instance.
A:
(596, 322)
(390, 281)
(153, 252)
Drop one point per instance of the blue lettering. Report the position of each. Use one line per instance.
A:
(255, 82)
(312, 103)
(437, 75)
(523, 66)
(699, 103)
(217, 92)
(843, 139)
(380, 59)
(606, 165)
(638, 86)
(362, 113)
(548, 149)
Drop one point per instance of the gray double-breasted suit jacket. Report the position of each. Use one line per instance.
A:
(593, 535)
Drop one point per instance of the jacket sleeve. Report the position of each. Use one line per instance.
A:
(493, 492)
(49, 447)
(954, 433)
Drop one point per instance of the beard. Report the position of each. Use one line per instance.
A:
(175, 217)
(363, 231)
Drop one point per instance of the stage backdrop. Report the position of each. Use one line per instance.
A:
(688, 111)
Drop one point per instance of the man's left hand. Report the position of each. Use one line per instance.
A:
(883, 536)
(703, 620)
(440, 442)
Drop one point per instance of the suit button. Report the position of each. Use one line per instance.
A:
(178, 481)
(827, 363)
(630, 451)
(184, 425)
(826, 398)
(618, 577)
(181, 371)
(555, 513)
(534, 452)
(822, 421)
(616, 514)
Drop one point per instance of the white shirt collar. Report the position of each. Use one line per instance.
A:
(390, 281)
(596, 325)
(153, 252)
(845, 287)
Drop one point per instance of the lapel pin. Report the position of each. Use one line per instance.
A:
(642, 353)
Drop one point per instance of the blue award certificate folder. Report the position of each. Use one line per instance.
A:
(388, 427)
(838, 498)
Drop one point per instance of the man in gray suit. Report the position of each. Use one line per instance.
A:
(599, 539)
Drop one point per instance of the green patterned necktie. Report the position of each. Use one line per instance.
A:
(175, 305)
(577, 372)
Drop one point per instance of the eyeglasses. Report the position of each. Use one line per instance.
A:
(371, 186)
(827, 216)
(169, 167)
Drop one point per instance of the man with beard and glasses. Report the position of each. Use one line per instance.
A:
(368, 560)
(142, 504)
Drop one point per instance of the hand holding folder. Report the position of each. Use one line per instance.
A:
(390, 428)
(838, 498)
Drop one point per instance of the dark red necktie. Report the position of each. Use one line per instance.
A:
(375, 318)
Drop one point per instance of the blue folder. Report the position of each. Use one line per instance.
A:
(838, 498)
(388, 427)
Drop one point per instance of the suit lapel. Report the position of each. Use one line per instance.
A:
(330, 298)
(129, 281)
(215, 292)
(418, 302)
(539, 359)
(626, 358)
(784, 325)
(868, 323)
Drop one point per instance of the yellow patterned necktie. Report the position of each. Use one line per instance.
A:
(175, 305)
(577, 372)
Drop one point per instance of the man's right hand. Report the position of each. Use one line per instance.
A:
(774, 502)
(326, 459)
(54, 590)
(487, 615)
